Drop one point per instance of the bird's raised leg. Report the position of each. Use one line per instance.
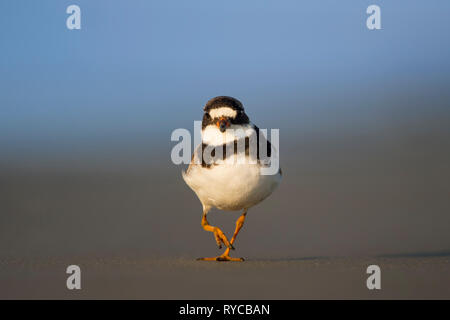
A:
(225, 256)
(218, 234)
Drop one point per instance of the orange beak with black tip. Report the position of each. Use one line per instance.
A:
(222, 124)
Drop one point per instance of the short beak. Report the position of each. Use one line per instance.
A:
(223, 124)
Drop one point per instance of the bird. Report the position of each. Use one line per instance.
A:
(232, 180)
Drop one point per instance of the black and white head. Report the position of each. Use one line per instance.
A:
(222, 113)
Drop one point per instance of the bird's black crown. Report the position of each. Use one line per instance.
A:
(223, 101)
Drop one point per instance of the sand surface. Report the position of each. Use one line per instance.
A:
(135, 230)
(185, 278)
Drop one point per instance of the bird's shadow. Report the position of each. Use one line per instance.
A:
(287, 259)
(419, 254)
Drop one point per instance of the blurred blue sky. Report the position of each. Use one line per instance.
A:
(138, 67)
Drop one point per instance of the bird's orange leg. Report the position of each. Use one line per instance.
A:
(225, 256)
(218, 234)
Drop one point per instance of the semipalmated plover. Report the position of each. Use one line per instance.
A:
(226, 169)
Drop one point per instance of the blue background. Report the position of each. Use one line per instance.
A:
(140, 69)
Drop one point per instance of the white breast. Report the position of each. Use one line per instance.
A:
(230, 187)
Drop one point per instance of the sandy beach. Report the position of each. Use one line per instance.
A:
(184, 278)
(331, 217)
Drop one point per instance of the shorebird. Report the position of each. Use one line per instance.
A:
(232, 180)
